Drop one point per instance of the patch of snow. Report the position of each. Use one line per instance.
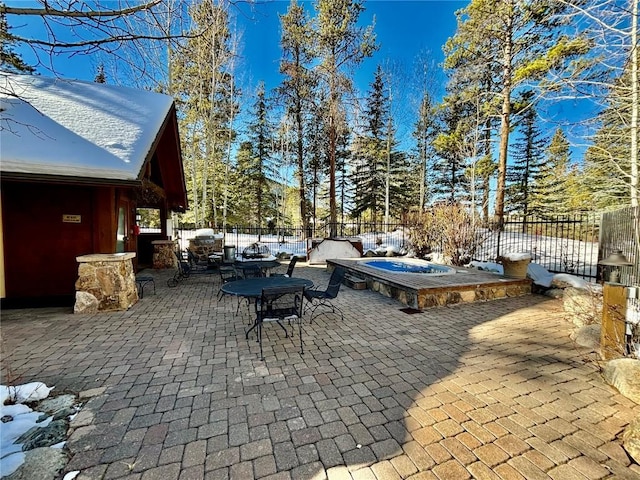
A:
(10, 463)
(29, 392)
(488, 267)
(572, 280)
(539, 275)
(517, 256)
(23, 419)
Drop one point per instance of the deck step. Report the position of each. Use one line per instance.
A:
(356, 283)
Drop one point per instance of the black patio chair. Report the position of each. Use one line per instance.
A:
(228, 273)
(251, 271)
(278, 304)
(292, 264)
(183, 270)
(324, 298)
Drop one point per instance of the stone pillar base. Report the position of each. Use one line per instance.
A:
(107, 277)
(163, 256)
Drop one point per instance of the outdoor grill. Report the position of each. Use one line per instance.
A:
(256, 250)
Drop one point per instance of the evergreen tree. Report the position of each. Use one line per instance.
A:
(242, 210)
(9, 60)
(297, 43)
(608, 161)
(261, 135)
(370, 151)
(608, 76)
(203, 85)
(528, 155)
(519, 41)
(549, 194)
(100, 77)
(448, 178)
(341, 44)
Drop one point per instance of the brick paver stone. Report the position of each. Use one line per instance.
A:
(172, 390)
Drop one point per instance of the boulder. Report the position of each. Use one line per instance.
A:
(624, 375)
(583, 305)
(587, 336)
(52, 405)
(37, 437)
(631, 439)
(554, 293)
(85, 303)
(40, 464)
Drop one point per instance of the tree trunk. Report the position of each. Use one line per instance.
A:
(505, 118)
(300, 153)
(333, 145)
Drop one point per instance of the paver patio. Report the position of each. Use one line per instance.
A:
(174, 391)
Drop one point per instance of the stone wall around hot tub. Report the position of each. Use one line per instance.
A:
(430, 297)
(424, 291)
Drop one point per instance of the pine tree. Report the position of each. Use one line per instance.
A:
(609, 76)
(369, 151)
(341, 44)
(607, 161)
(378, 165)
(261, 135)
(100, 77)
(203, 85)
(297, 43)
(516, 41)
(448, 179)
(424, 133)
(528, 155)
(549, 194)
(9, 60)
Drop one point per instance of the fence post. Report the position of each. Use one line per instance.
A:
(612, 334)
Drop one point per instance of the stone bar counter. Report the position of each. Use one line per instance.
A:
(163, 256)
(106, 282)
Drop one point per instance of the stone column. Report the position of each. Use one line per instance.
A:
(106, 282)
(163, 254)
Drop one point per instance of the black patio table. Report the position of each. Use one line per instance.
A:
(263, 265)
(252, 287)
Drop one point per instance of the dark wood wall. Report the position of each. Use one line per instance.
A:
(41, 244)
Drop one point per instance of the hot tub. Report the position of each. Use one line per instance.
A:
(411, 266)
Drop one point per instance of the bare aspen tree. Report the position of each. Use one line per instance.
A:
(608, 76)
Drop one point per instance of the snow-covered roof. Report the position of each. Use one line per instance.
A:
(51, 126)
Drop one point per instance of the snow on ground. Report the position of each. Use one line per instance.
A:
(17, 419)
(574, 257)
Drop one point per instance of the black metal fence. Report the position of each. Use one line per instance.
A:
(294, 240)
(620, 230)
(563, 244)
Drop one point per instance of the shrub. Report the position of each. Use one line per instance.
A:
(449, 229)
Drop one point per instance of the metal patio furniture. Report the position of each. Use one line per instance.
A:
(324, 298)
(292, 264)
(279, 304)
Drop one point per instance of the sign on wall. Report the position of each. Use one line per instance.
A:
(67, 218)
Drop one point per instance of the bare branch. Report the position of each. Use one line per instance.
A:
(50, 12)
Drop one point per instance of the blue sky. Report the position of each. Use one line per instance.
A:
(403, 28)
